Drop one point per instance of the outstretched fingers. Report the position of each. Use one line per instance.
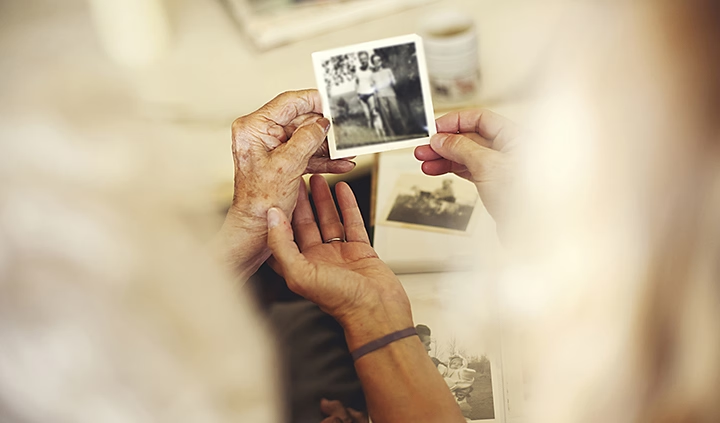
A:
(352, 218)
(307, 234)
(327, 213)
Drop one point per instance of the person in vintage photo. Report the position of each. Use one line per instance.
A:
(445, 193)
(463, 371)
(393, 121)
(365, 88)
(462, 394)
(451, 372)
(424, 333)
(420, 202)
(375, 95)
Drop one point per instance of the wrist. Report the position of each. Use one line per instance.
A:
(242, 243)
(372, 324)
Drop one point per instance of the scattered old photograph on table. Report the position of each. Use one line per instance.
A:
(467, 372)
(438, 204)
(467, 360)
(377, 96)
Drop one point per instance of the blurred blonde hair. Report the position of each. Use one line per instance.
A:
(621, 200)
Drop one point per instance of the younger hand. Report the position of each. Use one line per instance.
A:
(346, 279)
(475, 145)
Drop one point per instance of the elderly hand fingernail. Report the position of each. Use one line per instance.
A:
(273, 217)
(325, 123)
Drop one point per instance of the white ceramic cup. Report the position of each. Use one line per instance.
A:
(451, 52)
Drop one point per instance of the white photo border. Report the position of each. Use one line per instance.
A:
(320, 56)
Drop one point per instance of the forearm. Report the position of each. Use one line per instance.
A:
(400, 382)
(242, 245)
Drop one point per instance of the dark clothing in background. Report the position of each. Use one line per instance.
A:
(315, 361)
(318, 363)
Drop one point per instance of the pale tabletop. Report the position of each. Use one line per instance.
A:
(52, 64)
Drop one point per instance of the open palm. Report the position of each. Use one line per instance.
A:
(330, 263)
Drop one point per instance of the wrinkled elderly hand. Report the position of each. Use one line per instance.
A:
(475, 145)
(346, 279)
(272, 148)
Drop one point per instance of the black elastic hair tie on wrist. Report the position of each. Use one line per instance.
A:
(381, 342)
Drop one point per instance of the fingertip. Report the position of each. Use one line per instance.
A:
(324, 124)
(273, 217)
(314, 179)
(435, 168)
(426, 153)
(437, 141)
(342, 188)
(339, 166)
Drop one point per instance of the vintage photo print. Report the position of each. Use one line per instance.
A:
(377, 96)
(469, 364)
(467, 372)
(438, 204)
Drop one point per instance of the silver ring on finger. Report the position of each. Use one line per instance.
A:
(334, 240)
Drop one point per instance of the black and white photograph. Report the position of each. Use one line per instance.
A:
(444, 204)
(467, 372)
(377, 96)
(467, 357)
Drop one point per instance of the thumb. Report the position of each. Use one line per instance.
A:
(280, 241)
(306, 141)
(463, 150)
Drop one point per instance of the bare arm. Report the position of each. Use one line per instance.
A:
(348, 281)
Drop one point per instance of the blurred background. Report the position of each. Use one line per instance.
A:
(181, 71)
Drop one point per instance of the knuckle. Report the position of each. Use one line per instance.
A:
(239, 123)
(285, 96)
(454, 141)
(318, 131)
(355, 225)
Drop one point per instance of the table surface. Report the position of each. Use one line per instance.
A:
(54, 70)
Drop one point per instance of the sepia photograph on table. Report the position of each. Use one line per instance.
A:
(470, 363)
(420, 202)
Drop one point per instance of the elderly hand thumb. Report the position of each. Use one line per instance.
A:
(273, 218)
(307, 139)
